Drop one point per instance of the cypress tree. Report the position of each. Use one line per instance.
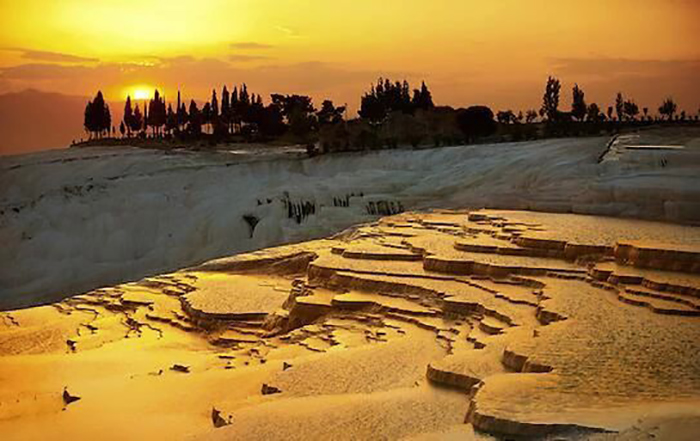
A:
(178, 117)
(145, 118)
(97, 118)
(206, 113)
(226, 108)
(578, 106)
(182, 116)
(426, 97)
(235, 109)
(195, 119)
(620, 106)
(170, 120)
(89, 119)
(136, 120)
(156, 113)
(128, 115)
(214, 105)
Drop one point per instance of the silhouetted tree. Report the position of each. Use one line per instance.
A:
(298, 110)
(620, 106)
(422, 98)
(136, 122)
(519, 117)
(668, 108)
(226, 108)
(195, 119)
(388, 96)
(476, 122)
(145, 119)
(253, 114)
(235, 110)
(593, 113)
(156, 113)
(550, 99)
(214, 105)
(206, 114)
(630, 109)
(244, 104)
(329, 114)
(530, 116)
(181, 112)
(371, 108)
(505, 116)
(271, 121)
(610, 113)
(98, 120)
(128, 115)
(89, 122)
(406, 104)
(106, 118)
(182, 116)
(645, 111)
(578, 105)
(122, 129)
(179, 101)
(171, 120)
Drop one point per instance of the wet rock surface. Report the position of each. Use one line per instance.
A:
(478, 324)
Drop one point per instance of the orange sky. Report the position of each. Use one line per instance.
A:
(495, 52)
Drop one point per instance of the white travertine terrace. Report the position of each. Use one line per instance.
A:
(472, 323)
(78, 219)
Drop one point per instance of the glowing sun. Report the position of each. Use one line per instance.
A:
(141, 94)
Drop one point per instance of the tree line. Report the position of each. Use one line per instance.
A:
(391, 114)
(624, 109)
(236, 113)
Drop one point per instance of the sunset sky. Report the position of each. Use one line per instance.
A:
(493, 52)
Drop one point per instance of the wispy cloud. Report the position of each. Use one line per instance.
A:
(197, 76)
(42, 71)
(51, 57)
(250, 45)
(605, 67)
(648, 81)
(243, 58)
(288, 31)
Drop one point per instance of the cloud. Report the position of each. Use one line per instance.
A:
(197, 76)
(179, 59)
(290, 32)
(606, 67)
(42, 71)
(241, 58)
(250, 45)
(313, 76)
(52, 57)
(648, 81)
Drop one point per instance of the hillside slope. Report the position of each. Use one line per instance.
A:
(77, 219)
